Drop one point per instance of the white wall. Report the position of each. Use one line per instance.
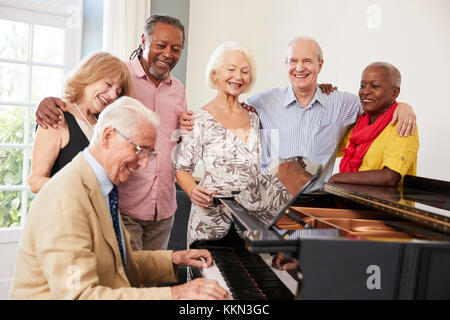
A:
(411, 34)
(9, 244)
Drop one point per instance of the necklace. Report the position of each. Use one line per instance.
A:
(84, 117)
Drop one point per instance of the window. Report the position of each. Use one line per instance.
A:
(39, 44)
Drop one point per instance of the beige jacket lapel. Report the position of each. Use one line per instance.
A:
(100, 209)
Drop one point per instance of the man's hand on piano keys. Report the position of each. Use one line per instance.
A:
(200, 289)
(200, 258)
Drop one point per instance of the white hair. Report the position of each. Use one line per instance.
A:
(217, 58)
(123, 115)
(304, 39)
(394, 73)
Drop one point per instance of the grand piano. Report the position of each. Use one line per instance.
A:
(350, 241)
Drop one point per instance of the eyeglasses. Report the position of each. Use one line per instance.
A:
(141, 152)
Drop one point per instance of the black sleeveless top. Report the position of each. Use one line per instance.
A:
(77, 142)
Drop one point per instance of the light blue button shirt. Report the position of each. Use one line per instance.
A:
(314, 132)
(105, 187)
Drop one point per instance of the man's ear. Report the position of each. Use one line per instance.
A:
(107, 134)
(320, 65)
(143, 41)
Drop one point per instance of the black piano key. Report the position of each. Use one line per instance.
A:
(247, 275)
(264, 277)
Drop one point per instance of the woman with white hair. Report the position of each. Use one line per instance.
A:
(225, 137)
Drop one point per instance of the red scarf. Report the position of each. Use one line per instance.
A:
(362, 137)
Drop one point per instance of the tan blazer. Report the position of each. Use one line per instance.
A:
(69, 249)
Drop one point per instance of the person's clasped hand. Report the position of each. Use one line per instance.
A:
(187, 120)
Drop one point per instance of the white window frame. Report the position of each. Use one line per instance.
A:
(65, 14)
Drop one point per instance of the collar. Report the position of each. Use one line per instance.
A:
(139, 71)
(102, 177)
(319, 96)
(290, 96)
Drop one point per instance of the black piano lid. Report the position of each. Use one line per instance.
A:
(426, 201)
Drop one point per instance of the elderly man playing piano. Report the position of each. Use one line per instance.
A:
(74, 244)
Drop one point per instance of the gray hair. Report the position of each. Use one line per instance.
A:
(394, 73)
(150, 25)
(217, 58)
(123, 115)
(304, 39)
(154, 19)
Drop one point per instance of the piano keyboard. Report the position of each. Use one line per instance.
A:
(248, 276)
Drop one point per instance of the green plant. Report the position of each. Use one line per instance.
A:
(10, 208)
(11, 165)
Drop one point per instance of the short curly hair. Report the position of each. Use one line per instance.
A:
(94, 68)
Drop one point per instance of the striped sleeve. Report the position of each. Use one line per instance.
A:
(351, 107)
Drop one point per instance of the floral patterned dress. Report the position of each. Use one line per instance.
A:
(230, 164)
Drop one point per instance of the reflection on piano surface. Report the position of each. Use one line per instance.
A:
(380, 229)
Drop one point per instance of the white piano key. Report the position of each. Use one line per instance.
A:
(213, 273)
(284, 276)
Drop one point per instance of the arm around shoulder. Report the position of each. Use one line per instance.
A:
(406, 118)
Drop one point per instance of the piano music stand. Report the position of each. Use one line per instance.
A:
(243, 219)
(302, 191)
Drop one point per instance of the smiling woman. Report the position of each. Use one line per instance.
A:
(98, 81)
(374, 154)
(225, 138)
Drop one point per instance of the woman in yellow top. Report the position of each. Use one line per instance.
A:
(375, 154)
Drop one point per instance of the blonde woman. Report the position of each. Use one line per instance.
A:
(99, 80)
